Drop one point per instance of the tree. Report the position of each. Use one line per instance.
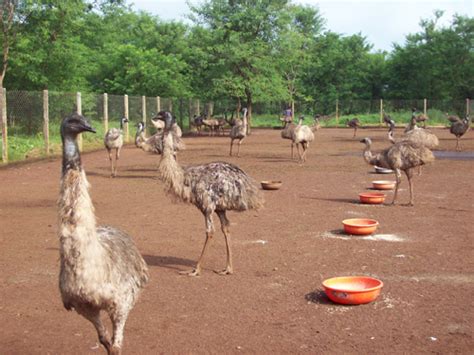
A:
(243, 33)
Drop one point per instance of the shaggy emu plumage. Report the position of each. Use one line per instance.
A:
(101, 268)
(417, 135)
(459, 128)
(354, 123)
(402, 156)
(303, 135)
(114, 140)
(288, 132)
(215, 187)
(154, 144)
(239, 132)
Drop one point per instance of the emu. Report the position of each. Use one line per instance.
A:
(114, 140)
(239, 132)
(101, 269)
(402, 156)
(214, 187)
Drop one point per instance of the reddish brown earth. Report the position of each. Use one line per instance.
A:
(274, 301)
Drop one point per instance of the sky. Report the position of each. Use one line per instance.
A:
(382, 22)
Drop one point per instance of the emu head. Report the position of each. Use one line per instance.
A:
(74, 124)
(166, 117)
(140, 126)
(366, 141)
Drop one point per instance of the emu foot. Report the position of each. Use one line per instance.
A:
(409, 204)
(193, 272)
(226, 271)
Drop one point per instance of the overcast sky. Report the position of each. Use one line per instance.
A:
(382, 22)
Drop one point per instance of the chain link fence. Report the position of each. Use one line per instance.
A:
(30, 126)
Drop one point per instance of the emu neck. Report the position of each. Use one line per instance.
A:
(368, 156)
(71, 155)
(170, 171)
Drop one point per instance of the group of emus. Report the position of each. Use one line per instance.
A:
(101, 269)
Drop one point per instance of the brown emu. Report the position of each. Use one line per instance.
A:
(239, 132)
(215, 187)
(354, 123)
(101, 268)
(303, 135)
(402, 156)
(459, 128)
(114, 140)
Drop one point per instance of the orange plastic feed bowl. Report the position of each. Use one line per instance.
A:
(383, 185)
(372, 197)
(271, 185)
(352, 289)
(360, 226)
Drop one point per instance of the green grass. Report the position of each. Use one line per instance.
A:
(436, 118)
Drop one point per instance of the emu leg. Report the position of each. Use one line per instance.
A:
(355, 130)
(409, 174)
(292, 147)
(209, 234)
(93, 316)
(238, 148)
(231, 145)
(299, 154)
(111, 163)
(398, 176)
(118, 319)
(458, 146)
(420, 169)
(117, 157)
(225, 229)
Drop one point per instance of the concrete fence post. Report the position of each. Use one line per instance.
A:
(144, 110)
(126, 115)
(158, 104)
(3, 113)
(106, 112)
(468, 107)
(425, 106)
(46, 121)
(381, 111)
(337, 112)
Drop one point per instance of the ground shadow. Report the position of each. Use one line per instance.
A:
(169, 262)
(104, 175)
(318, 297)
(342, 199)
(140, 170)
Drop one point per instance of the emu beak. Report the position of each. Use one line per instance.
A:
(88, 128)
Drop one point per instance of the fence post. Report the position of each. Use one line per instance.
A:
(3, 112)
(198, 107)
(158, 104)
(170, 106)
(46, 121)
(468, 107)
(381, 111)
(126, 115)
(144, 110)
(106, 112)
(337, 112)
(190, 116)
(79, 111)
(425, 105)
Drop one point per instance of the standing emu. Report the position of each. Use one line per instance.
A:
(101, 268)
(114, 140)
(459, 128)
(239, 131)
(303, 135)
(402, 156)
(215, 187)
(354, 123)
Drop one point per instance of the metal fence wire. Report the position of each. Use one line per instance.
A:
(24, 116)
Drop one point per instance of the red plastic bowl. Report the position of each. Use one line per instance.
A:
(372, 197)
(383, 185)
(352, 289)
(360, 226)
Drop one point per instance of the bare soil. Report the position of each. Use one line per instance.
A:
(274, 302)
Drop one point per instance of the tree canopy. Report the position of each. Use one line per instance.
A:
(232, 51)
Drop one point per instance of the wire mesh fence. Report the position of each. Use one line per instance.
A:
(29, 113)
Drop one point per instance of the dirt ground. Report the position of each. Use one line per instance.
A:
(274, 301)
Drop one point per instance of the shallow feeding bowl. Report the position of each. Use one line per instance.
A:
(360, 226)
(352, 289)
(372, 198)
(380, 170)
(271, 185)
(383, 185)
